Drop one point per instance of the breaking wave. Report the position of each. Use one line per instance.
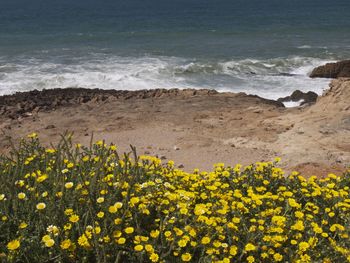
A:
(270, 78)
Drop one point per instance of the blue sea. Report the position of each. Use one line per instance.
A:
(260, 47)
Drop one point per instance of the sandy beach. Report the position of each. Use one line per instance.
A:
(195, 128)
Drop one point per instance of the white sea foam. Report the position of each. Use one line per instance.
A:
(304, 47)
(292, 104)
(270, 78)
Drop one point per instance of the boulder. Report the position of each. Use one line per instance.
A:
(309, 97)
(339, 69)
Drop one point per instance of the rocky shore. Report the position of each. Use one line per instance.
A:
(195, 128)
(23, 104)
(339, 69)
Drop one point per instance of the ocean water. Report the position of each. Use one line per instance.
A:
(266, 47)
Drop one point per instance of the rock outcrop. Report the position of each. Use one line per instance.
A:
(309, 97)
(339, 69)
(23, 104)
(336, 98)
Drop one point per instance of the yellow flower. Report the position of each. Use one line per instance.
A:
(236, 220)
(113, 148)
(13, 245)
(68, 211)
(134, 201)
(277, 257)
(100, 214)
(42, 178)
(129, 230)
(154, 233)
(303, 246)
(112, 209)
(144, 239)
(50, 150)
(293, 203)
(154, 257)
(184, 211)
(205, 240)
(334, 227)
(249, 247)
(167, 233)
(305, 258)
(138, 248)
(277, 159)
(299, 214)
(41, 206)
(45, 238)
(233, 250)
(118, 205)
(97, 229)
(23, 225)
(149, 248)
(121, 241)
(100, 200)
(182, 243)
(324, 234)
(299, 225)
(117, 221)
(186, 257)
(278, 220)
(32, 135)
(68, 185)
(65, 244)
(48, 241)
(250, 259)
(21, 195)
(74, 218)
(52, 229)
(83, 241)
(117, 233)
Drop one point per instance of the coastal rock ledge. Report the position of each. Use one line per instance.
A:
(22, 104)
(339, 69)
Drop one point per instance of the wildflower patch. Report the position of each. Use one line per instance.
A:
(71, 203)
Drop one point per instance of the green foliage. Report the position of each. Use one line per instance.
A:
(72, 203)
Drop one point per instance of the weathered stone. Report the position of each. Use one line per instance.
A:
(339, 69)
(307, 97)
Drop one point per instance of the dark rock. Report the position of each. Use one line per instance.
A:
(51, 126)
(308, 97)
(263, 100)
(339, 69)
(22, 103)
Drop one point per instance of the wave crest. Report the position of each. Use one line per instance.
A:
(268, 77)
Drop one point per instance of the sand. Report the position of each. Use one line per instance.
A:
(194, 128)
